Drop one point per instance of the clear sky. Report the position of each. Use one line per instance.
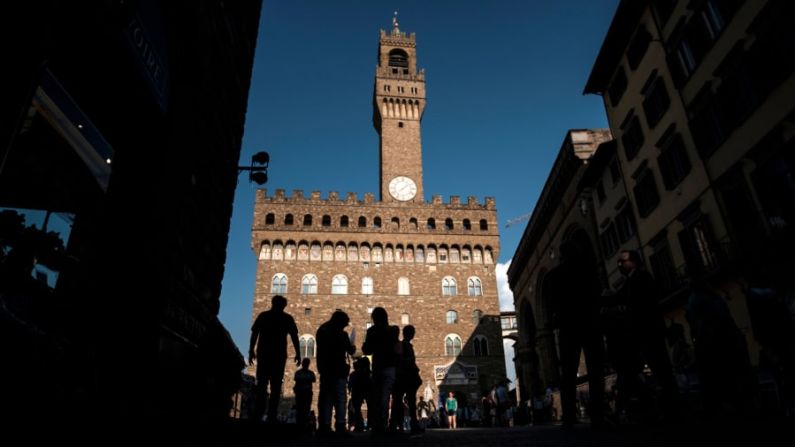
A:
(504, 83)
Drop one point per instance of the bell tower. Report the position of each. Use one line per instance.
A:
(398, 103)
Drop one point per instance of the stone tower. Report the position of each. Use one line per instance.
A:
(429, 264)
(398, 103)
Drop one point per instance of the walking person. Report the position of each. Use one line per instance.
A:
(360, 384)
(451, 407)
(573, 291)
(408, 379)
(269, 345)
(304, 378)
(646, 333)
(333, 348)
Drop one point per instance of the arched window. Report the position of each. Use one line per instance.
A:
(307, 220)
(448, 286)
(279, 283)
(270, 219)
(377, 222)
(362, 221)
(404, 319)
(481, 346)
(443, 254)
(413, 223)
(466, 255)
(309, 284)
(398, 58)
(288, 219)
(367, 285)
(487, 256)
(477, 255)
(395, 223)
(353, 252)
(377, 253)
(431, 223)
(474, 286)
(452, 317)
(344, 221)
(326, 222)
(289, 251)
(476, 316)
(431, 256)
(403, 286)
(467, 225)
(452, 345)
(339, 285)
(307, 346)
(484, 225)
(448, 224)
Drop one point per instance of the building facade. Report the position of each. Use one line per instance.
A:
(700, 98)
(121, 127)
(429, 264)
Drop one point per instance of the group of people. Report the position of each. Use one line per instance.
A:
(629, 321)
(627, 330)
(395, 376)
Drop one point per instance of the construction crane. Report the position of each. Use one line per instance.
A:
(519, 219)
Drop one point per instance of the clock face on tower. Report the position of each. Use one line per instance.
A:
(402, 188)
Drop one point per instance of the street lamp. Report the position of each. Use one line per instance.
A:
(258, 170)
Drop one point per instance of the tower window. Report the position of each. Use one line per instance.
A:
(405, 71)
(394, 71)
(344, 221)
(398, 58)
(362, 222)
(269, 219)
(307, 220)
(484, 225)
(386, 88)
(431, 224)
(326, 221)
(448, 224)
(377, 222)
(400, 123)
(288, 219)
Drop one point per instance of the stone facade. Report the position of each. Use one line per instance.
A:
(394, 253)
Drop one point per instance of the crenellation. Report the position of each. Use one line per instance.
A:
(472, 202)
(333, 196)
(491, 203)
(314, 196)
(455, 200)
(350, 198)
(436, 199)
(279, 194)
(298, 195)
(369, 198)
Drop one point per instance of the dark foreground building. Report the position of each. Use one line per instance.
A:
(121, 123)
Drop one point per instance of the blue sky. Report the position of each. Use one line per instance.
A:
(504, 83)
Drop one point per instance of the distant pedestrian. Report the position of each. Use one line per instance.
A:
(304, 378)
(269, 337)
(360, 384)
(451, 407)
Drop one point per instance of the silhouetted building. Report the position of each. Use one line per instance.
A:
(123, 121)
(429, 264)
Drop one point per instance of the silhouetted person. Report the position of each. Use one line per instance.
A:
(646, 334)
(269, 336)
(407, 383)
(424, 408)
(380, 342)
(333, 348)
(304, 378)
(360, 384)
(573, 291)
(721, 353)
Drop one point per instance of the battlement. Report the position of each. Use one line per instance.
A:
(398, 38)
(333, 198)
